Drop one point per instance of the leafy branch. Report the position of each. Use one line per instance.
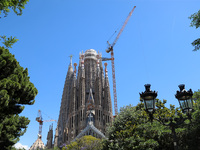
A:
(8, 42)
(195, 22)
(15, 5)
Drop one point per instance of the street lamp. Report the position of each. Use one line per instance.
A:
(185, 99)
(149, 97)
(186, 103)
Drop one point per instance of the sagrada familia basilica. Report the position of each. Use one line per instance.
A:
(86, 102)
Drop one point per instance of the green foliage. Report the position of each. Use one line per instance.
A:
(55, 148)
(191, 136)
(85, 143)
(8, 42)
(195, 19)
(15, 5)
(127, 131)
(132, 129)
(16, 90)
(196, 23)
(196, 44)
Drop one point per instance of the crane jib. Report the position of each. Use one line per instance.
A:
(110, 49)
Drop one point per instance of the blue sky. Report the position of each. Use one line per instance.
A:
(155, 47)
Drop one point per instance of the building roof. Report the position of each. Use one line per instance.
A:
(38, 145)
(90, 54)
(90, 129)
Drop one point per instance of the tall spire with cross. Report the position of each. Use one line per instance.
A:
(71, 59)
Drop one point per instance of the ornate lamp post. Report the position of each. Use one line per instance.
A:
(185, 99)
(149, 97)
(186, 103)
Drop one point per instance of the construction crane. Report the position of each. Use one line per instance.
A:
(110, 49)
(40, 120)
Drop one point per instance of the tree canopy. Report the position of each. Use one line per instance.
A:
(16, 90)
(85, 143)
(195, 23)
(132, 128)
(15, 5)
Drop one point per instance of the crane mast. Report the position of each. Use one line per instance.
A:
(40, 120)
(110, 49)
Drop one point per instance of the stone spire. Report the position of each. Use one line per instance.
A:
(74, 77)
(50, 137)
(90, 108)
(98, 84)
(90, 101)
(73, 92)
(106, 74)
(70, 68)
(107, 98)
(81, 101)
(98, 66)
(70, 60)
(71, 116)
(64, 108)
(82, 67)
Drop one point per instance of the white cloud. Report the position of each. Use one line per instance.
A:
(19, 145)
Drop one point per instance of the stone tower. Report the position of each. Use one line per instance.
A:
(86, 102)
(50, 138)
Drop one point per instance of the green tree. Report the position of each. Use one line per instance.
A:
(196, 23)
(132, 129)
(15, 5)
(16, 90)
(85, 143)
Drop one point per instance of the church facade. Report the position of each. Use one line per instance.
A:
(86, 106)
